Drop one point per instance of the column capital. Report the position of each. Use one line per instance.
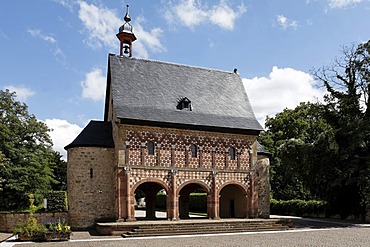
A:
(127, 169)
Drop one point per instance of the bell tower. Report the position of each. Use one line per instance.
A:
(126, 36)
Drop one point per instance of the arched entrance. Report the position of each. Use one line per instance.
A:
(193, 197)
(149, 197)
(233, 201)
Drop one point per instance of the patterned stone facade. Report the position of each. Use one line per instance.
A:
(173, 166)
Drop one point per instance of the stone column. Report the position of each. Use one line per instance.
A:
(226, 158)
(238, 153)
(143, 149)
(173, 148)
(172, 210)
(150, 199)
(213, 199)
(126, 208)
(184, 206)
(187, 148)
(253, 196)
(213, 157)
(158, 154)
(200, 154)
(127, 153)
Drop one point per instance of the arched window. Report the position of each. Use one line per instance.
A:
(232, 153)
(151, 148)
(194, 151)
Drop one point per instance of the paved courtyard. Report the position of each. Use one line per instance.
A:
(355, 236)
(308, 232)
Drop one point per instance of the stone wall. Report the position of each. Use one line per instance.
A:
(263, 166)
(91, 185)
(9, 220)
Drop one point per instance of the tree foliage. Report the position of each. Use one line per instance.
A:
(27, 155)
(348, 112)
(292, 137)
(322, 151)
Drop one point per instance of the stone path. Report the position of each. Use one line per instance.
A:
(310, 232)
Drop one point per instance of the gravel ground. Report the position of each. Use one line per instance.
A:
(348, 236)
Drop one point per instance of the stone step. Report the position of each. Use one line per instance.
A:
(208, 227)
(128, 229)
(183, 225)
(169, 231)
(192, 232)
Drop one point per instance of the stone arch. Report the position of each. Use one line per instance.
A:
(153, 180)
(194, 181)
(150, 188)
(183, 193)
(233, 200)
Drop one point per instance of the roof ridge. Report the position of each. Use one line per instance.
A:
(173, 63)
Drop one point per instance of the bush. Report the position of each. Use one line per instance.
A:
(160, 202)
(30, 228)
(56, 201)
(197, 202)
(298, 207)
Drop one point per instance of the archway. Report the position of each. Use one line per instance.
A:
(193, 197)
(150, 197)
(233, 202)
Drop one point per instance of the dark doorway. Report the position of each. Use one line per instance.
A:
(233, 202)
(150, 201)
(192, 199)
(232, 209)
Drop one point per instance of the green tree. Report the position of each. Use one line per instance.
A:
(59, 167)
(347, 110)
(295, 137)
(2, 164)
(27, 153)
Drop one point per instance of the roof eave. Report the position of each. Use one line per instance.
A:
(190, 126)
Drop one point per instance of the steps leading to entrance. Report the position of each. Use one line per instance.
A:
(185, 227)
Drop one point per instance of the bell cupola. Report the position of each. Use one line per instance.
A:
(126, 36)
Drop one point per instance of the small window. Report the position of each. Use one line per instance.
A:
(232, 153)
(194, 151)
(184, 104)
(151, 148)
(91, 173)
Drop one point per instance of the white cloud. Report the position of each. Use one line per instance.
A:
(283, 88)
(22, 92)
(285, 23)
(62, 133)
(342, 3)
(48, 38)
(191, 13)
(102, 24)
(66, 3)
(93, 87)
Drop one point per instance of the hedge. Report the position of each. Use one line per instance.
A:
(298, 207)
(56, 201)
(197, 202)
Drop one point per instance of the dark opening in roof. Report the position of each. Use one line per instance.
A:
(184, 104)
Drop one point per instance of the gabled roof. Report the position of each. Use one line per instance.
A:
(95, 134)
(145, 90)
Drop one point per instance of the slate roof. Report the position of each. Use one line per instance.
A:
(261, 149)
(95, 134)
(146, 90)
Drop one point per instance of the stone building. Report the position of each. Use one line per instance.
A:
(171, 128)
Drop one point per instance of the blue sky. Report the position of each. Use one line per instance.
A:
(53, 53)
